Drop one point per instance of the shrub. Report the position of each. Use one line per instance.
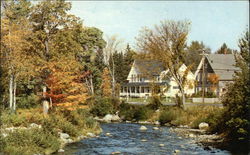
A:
(207, 94)
(167, 115)
(142, 113)
(196, 122)
(9, 119)
(127, 111)
(134, 112)
(102, 106)
(154, 103)
(30, 142)
(56, 121)
(27, 101)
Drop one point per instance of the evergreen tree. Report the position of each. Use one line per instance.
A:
(192, 55)
(224, 50)
(236, 118)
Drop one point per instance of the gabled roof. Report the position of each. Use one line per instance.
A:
(222, 61)
(222, 64)
(149, 67)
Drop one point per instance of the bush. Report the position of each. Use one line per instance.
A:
(9, 119)
(30, 142)
(134, 112)
(142, 113)
(167, 115)
(56, 121)
(207, 94)
(127, 111)
(29, 101)
(154, 103)
(103, 106)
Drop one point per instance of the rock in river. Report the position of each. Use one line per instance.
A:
(155, 128)
(63, 135)
(143, 128)
(203, 126)
(60, 150)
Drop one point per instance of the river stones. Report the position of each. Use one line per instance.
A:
(155, 128)
(161, 145)
(117, 152)
(144, 140)
(176, 151)
(108, 134)
(191, 135)
(203, 126)
(156, 123)
(89, 134)
(64, 135)
(143, 128)
(60, 150)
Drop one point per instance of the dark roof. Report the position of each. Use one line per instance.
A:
(223, 65)
(149, 67)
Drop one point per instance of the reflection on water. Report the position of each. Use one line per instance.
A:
(126, 138)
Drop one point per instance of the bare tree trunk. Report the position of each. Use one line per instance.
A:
(44, 91)
(113, 76)
(11, 91)
(183, 100)
(14, 95)
(91, 85)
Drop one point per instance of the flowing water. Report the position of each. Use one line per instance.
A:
(127, 139)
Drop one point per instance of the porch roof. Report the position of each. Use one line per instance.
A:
(134, 84)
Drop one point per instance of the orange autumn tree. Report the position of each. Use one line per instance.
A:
(106, 83)
(64, 82)
(214, 79)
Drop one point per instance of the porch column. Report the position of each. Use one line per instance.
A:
(127, 93)
(140, 91)
(130, 91)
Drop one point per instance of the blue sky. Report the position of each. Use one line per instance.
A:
(213, 22)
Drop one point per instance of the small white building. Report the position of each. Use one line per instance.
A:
(147, 76)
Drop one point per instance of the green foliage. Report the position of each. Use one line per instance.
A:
(123, 62)
(236, 118)
(103, 106)
(192, 55)
(29, 101)
(224, 50)
(127, 111)
(167, 115)
(135, 112)
(11, 119)
(29, 142)
(154, 103)
(142, 113)
(207, 94)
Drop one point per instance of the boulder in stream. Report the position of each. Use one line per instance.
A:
(203, 126)
(143, 128)
(155, 128)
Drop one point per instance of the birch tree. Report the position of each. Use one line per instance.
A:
(14, 55)
(112, 46)
(166, 43)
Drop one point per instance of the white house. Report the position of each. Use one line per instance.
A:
(146, 75)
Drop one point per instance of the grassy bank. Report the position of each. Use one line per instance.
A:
(29, 131)
(154, 111)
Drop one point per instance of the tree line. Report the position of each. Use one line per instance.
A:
(45, 51)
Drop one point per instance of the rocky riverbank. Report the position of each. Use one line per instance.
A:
(200, 136)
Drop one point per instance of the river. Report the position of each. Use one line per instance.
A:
(128, 139)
